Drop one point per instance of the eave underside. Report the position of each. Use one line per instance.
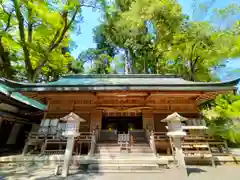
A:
(124, 101)
(13, 107)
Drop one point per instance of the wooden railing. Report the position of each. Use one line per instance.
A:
(160, 136)
(106, 135)
(41, 140)
(84, 136)
(216, 146)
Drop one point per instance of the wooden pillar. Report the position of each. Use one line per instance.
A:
(96, 119)
(1, 120)
(14, 133)
(35, 128)
(148, 119)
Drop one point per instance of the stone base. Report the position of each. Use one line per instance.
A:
(58, 159)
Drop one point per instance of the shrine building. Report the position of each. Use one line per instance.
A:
(119, 103)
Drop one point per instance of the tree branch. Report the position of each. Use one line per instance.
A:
(65, 28)
(57, 41)
(30, 24)
(9, 17)
(195, 61)
(54, 38)
(8, 21)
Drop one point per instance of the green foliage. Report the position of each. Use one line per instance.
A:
(155, 36)
(102, 57)
(223, 117)
(36, 32)
(174, 44)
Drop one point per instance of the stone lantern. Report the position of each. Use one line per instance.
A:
(176, 133)
(72, 130)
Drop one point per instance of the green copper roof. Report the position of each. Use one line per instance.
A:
(19, 97)
(122, 82)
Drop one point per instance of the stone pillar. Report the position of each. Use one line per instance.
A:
(148, 119)
(176, 139)
(96, 119)
(14, 133)
(178, 150)
(68, 155)
(175, 133)
(72, 128)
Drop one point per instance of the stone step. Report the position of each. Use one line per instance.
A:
(116, 144)
(125, 171)
(118, 147)
(125, 154)
(115, 147)
(124, 160)
(118, 151)
(151, 159)
(121, 155)
(123, 166)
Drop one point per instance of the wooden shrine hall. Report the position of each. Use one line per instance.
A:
(18, 116)
(120, 104)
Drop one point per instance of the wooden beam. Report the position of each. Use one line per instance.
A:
(122, 94)
(62, 94)
(209, 96)
(177, 93)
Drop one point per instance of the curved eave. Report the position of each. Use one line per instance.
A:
(126, 88)
(9, 92)
(193, 86)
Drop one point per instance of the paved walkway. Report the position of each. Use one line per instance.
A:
(226, 172)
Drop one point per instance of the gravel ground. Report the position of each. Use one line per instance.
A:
(224, 172)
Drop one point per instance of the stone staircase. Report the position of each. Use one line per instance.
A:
(114, 149)
(109, 158)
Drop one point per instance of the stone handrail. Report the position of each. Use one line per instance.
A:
(151, 140)
(93, 143)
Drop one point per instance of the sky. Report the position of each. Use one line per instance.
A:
(91, 18)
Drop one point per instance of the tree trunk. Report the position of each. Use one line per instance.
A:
(5, 63)
(125, 63)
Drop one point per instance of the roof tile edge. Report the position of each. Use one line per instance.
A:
(120, 76)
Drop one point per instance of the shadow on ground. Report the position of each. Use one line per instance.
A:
(42, 171)
(191, 170)
(72, 176)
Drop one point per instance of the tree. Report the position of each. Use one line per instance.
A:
(197, 49)
(6, 54)
(128, 29)
(100, 58)
(158, 38)
(40, 31)
(223, 115)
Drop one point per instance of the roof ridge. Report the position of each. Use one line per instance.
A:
(120, 76)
